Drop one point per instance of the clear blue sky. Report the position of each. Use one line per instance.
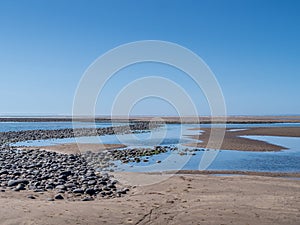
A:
(253, 47)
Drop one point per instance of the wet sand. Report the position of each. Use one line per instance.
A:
(181, 199)
(233, 141)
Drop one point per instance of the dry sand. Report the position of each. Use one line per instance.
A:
(233, 141)
(181, 199)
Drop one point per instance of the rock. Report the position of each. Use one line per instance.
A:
(3, 172)
(137, 160)
(114, 182)
(70, 185)
(111, 186)
(61, 187)
(30, 196)
(87, 199)
(20, 187)
(106, 188)
(65, 173)
(50, 199)
(78, 191)
(158, 161)
(48, 186)
(12, 183)
(58, 197)
(103, 182)
(90, 191)
(92, 182)
(122, 191)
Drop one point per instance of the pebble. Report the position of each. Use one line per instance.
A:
(31, 197)
(74, 174)
(61, 187)
(12, 183)
(90, 191)
(20, 187)
(78, 191)
(87, 199)
(58, 197)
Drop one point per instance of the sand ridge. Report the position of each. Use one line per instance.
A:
(233, 141)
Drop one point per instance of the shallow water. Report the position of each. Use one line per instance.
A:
(174, 135)
(171, 134)
(283, 161)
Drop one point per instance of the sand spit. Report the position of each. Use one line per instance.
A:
(233, 141)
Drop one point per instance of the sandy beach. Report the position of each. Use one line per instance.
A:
(181, 199)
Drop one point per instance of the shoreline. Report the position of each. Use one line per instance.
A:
(231, 172)
(73, 148)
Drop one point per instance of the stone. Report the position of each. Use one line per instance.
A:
(30, 196)
(92, 182)
(12, 183)
(65, 173)
(85, 199)
(61, 187)
(106, 188)
(58, 197)
(20, 187)
(78, 191)
(90, 191)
